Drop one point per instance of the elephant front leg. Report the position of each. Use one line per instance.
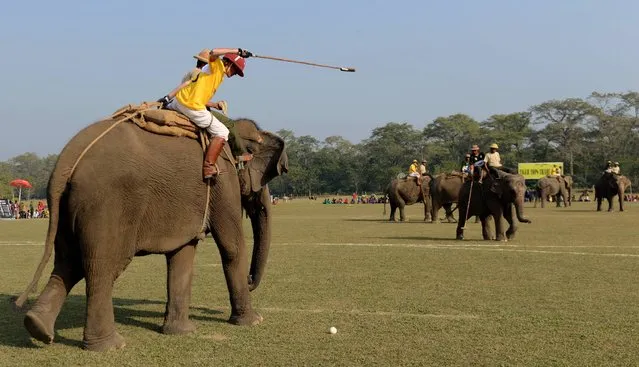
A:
(485, 229)
(508, 215)
(461, 224)
(178, 283)
(230, 240)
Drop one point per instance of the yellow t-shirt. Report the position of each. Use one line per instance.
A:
(412, 168)
(203, 86)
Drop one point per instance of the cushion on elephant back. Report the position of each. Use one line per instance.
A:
(150, 117)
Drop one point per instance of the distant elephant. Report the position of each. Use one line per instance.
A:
(136, 193)
(610, 185)
(405, 191)
(444, 191)
(569, 182)
(554, 186)
(494, 197)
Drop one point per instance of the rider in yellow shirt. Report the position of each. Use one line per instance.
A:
(192, 99)
(413, 171)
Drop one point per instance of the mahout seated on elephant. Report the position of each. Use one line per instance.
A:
(148, 197)
(495, 196)
(610, 185)
(408, 191)
(193, 97)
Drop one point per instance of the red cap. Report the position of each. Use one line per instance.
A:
(238, 61)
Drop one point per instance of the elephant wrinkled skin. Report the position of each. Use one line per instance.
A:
(405, 191)
(136, 193)
(444, 192)
(557, 187)
(608, 186)
(494, 197)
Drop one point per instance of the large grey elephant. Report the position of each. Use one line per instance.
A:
(555, 186)
(610, 185)
(444, 192)
(136, 193)
(494, 197)
(405, 191)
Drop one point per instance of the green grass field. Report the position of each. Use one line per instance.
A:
(564, 292)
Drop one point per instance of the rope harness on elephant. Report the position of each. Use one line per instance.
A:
(149, 117)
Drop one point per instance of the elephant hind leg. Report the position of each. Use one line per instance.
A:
(67, 272)
(179, 279)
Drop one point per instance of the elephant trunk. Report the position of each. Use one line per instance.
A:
(259, 210)
(519, 209)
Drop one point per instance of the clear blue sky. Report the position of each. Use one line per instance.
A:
(66, 64)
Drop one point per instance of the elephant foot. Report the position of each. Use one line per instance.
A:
(250, 318)
(620, 210)
(178, 327)
(111, 342)
(501, 238)
(460, 234)
(510, 235)
(38, 328)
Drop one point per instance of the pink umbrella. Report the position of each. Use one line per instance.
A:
(19, 183)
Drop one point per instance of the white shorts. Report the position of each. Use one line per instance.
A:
(414, 174)
(203, 119)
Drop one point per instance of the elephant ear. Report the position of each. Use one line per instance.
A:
(269, 160)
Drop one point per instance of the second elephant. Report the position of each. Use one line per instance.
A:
(405, 191)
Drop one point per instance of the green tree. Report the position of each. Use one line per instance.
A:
(388, 151)
(512, 133)
(449, 139)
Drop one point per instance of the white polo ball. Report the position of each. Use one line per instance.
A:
(332, 330)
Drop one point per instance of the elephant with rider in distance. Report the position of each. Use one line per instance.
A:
(136, 193)
(495, 196)
(610, 185)
(558, 187)
(406, 191)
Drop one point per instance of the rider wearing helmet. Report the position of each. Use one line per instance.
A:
(493, 159)
(616, 169)
(192, 99)
(413, 171)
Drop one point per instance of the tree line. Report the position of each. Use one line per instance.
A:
(582, 133)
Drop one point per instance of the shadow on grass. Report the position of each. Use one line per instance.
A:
(416, 238)
(385, 221)
(13, 333)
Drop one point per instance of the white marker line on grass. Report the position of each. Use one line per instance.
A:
(464, 247)
(355, 312)
(21, 244)
(369, 313)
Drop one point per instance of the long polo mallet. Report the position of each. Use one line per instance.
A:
(470, 194)
(340, 68)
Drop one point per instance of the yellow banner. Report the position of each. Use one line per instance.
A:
(534, 171)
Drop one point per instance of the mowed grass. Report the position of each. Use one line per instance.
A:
(564, 292)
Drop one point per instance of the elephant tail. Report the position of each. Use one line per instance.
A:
(57, 186)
